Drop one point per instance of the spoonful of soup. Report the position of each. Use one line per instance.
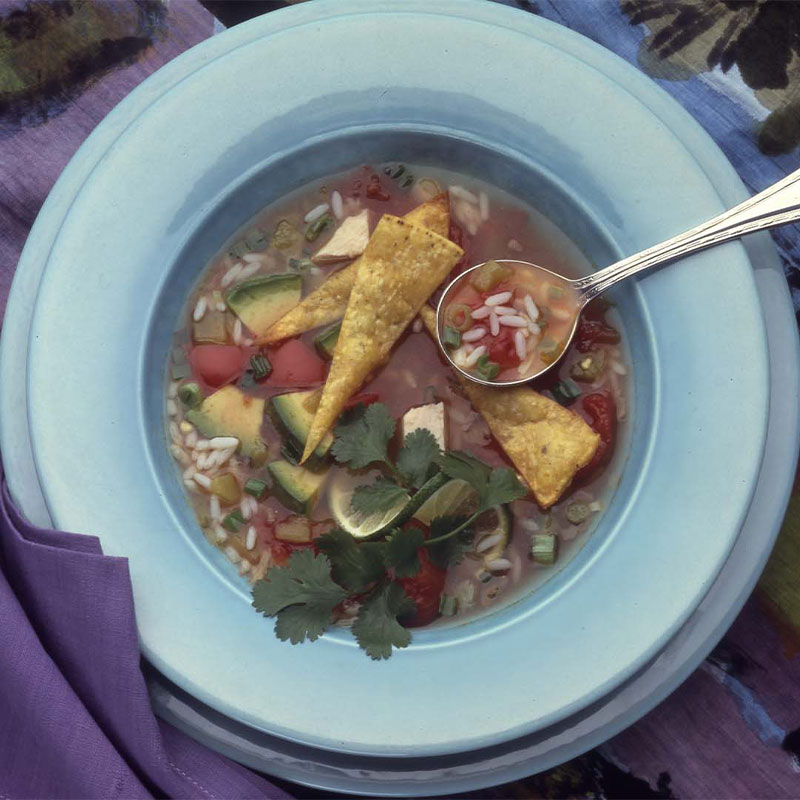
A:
(506, 322)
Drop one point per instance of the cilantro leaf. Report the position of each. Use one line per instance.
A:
(354, 565)
(363, 435)
(494, 486)
(503, 487)
(302, 594)
(376, 628)
(376, 497)
(402, 551)
(452, 549)
(416, 456)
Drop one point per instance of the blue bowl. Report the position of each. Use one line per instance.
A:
(508, 105)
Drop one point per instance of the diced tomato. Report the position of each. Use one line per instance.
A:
(502, 349)
(602, 413)
(425, 589)
(218, 364)
(364, 399)
(375, 190)
(295, 364)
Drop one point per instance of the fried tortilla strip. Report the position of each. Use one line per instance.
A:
(547, 443)
(328, 303)
(401, 267)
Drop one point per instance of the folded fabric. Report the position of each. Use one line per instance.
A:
(75, 717)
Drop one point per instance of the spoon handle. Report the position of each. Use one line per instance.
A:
(776, 205)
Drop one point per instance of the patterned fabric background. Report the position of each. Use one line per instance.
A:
(733, 729)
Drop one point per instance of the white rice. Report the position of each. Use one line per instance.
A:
(534, 328)
(483, 204)
(473, 357)
(531, 308)
(316, 213)
(244, 567)
(464, 194)
(230, 276)
(205, 460)
(494, 324)
(172, 408)
(173, 390)
(214, 507)
(202, 444)
(504, 311)
(190, 485)
(481, 313)
(499, 298)
(488, 542)
(191, 439)
(233, 555)
(530, 525)
(473, 334)
(498, 565)
(180, 455)
(200, 309)
(202, 480)
(175, 434)
(417, 326)
(189, 473)
(618, 367)
(250, 541)
(237, 332)
(244, 507)
(220, 534)
(513, 321)
(223, 442)
(561, 313)
(460, 356)
(514, 245)
(254, 258)
(337, 205)
(314, 271)
(520, 346)
(250, 270)
(221, 306)
(595, 506)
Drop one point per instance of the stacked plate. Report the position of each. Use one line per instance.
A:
(194, 152)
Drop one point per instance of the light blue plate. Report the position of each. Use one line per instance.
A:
(198, 161)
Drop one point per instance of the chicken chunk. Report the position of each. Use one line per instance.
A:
(347, 243)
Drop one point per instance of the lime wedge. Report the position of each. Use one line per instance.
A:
(358, 525)
(455, 497)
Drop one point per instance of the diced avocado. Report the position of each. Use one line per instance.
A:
(230, 412)
(296, 487)
(260, 302)
(325, 342)
(211, 329)
(293, 414)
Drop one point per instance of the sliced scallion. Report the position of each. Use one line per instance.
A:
(544, 548)
(407, 181)
(555, 292)
(255, 487)
(451, 337)
(459, 316)
(486, 369)
(233, 521)
(190, 395)
(316, 227)
(260, 366)
(578, 512)
(448, 605)
(566, 392)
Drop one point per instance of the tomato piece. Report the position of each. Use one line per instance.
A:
(425, 589)
(602, 412)
(502, 349)
(217, 364)
(364, 399)
(375, 190)
(295, 364)
(592, 332)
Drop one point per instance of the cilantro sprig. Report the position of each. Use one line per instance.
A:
(304, 594)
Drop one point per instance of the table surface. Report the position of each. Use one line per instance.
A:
(733, 728)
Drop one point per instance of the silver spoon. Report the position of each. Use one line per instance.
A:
(778, 204)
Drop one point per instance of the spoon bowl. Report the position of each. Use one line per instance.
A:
(467, 347)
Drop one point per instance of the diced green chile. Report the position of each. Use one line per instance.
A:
(255, 487)
(486, 369)
(260, 366)
(316, 227)
(544, 548)
(190, 395)
(451, 337)
(566, 392)
(233, 521)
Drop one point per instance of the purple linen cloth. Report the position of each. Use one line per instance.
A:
(75, 717)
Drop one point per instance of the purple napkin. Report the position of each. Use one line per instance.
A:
(75, 718)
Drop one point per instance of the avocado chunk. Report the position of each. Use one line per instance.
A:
(231, 412)
(296, 487)
(260, 302)
(294, 414)
(325, 342)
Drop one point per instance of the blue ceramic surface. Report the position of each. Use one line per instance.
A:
(163, 196)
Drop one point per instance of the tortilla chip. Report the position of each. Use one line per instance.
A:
(547, 442)
(402, 265)
(328, 303)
